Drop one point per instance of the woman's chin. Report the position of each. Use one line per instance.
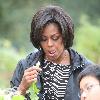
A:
(52, 57)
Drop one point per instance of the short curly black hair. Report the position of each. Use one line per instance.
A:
(52, 14)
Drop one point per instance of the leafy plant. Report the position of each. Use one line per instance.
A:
(34, 89)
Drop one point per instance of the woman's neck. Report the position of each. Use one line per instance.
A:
(64, 58)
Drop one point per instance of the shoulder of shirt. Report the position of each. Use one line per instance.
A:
(78, 60)
(31, 59)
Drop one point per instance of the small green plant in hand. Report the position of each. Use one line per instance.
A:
(34, 89)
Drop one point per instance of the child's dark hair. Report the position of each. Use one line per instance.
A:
(92, 70)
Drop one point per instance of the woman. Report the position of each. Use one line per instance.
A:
(89, 83)
(52, 33)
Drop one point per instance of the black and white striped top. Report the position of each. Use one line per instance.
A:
(55, 78)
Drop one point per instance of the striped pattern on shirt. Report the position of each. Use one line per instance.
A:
(55, 78)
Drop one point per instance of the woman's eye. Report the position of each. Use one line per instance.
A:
(43, 39)
(55, 38)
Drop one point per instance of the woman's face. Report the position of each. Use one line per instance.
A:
(52, 42)
(89, 88)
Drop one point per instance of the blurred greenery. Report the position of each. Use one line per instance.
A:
(8, 59)
(88, 39)
(15, 20)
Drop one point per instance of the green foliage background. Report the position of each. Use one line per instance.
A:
(15, 20)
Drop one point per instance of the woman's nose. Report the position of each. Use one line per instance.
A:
(50, 43)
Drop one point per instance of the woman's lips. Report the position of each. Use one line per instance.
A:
(51, 53)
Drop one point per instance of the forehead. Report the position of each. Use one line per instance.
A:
(51, 28)
(88, 80)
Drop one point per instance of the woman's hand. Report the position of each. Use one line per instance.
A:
(30, 75)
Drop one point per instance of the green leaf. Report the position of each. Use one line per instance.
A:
(18, 97)
(34, 91)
